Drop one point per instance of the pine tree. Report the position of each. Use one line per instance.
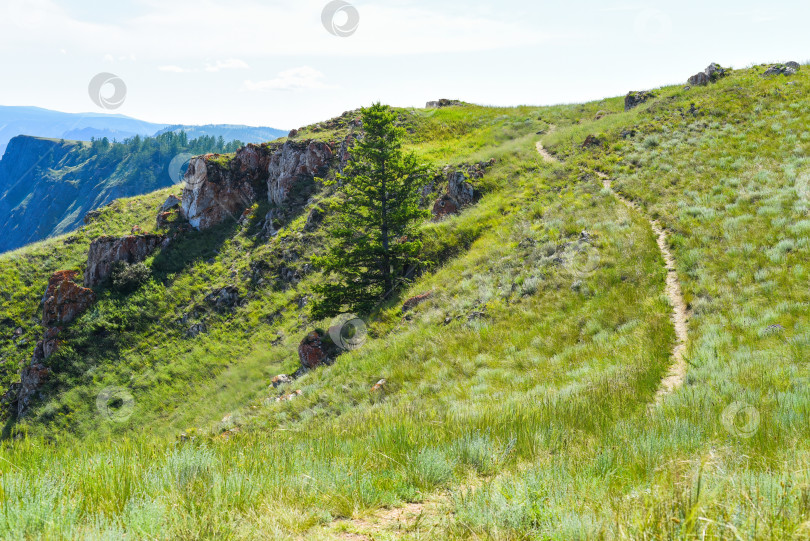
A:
(375, 242)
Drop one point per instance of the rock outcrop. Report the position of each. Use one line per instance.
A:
(413, 302)
(442, 103)
(634, 99)
(105, 251)
(224, 299)
(171, 202)
(591, 141)
(711, 74)
(295, 163)
(787, 69)
(316, 349)
(219, 188)
(460, 193)
(64, 300)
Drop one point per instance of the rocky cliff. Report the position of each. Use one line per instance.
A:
(222, 187)
(48, 186)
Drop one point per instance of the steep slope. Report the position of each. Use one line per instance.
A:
(47, 186)
(518, 382)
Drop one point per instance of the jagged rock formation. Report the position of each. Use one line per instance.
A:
(294, 163)
(709, 75)
(460, 193)
(105, 251)
(63, 302)
(218, 188)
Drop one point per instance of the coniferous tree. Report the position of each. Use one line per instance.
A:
(375, 239)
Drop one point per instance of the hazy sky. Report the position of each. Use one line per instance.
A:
(274, 63)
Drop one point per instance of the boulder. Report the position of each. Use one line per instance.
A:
(281, 379)
(591, 141)
(316, 349)
(165, 219)
(699, 79)
(634, 99)
(64, 300)
(104, 251)
(223, 299)
(444, 206)
(171, 202)
(711, 74)
(295, 163)
(460, 190)
(413, 302)
(460, 194)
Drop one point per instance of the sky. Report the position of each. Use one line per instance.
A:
(289, 63)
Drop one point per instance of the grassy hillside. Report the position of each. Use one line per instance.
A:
(520, 399)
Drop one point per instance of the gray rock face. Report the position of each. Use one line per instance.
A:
(711, 74)
(295, 163)
(699, 79)
(171, 202)
(218, 189)
(223, 299)
(634, 99)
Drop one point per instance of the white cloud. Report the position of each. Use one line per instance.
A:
(302, 78)
(230, 64)
(219, 65)
(272, 29)
(172, 69)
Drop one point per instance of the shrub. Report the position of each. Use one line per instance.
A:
(127, 278)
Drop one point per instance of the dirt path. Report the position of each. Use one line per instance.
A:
(545, 153)
(680, 315)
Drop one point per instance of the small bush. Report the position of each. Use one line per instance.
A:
(127, 278)
(431, 468)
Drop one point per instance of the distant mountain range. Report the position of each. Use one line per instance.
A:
(39, 122)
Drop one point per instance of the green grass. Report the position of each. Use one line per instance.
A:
(517, 402)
